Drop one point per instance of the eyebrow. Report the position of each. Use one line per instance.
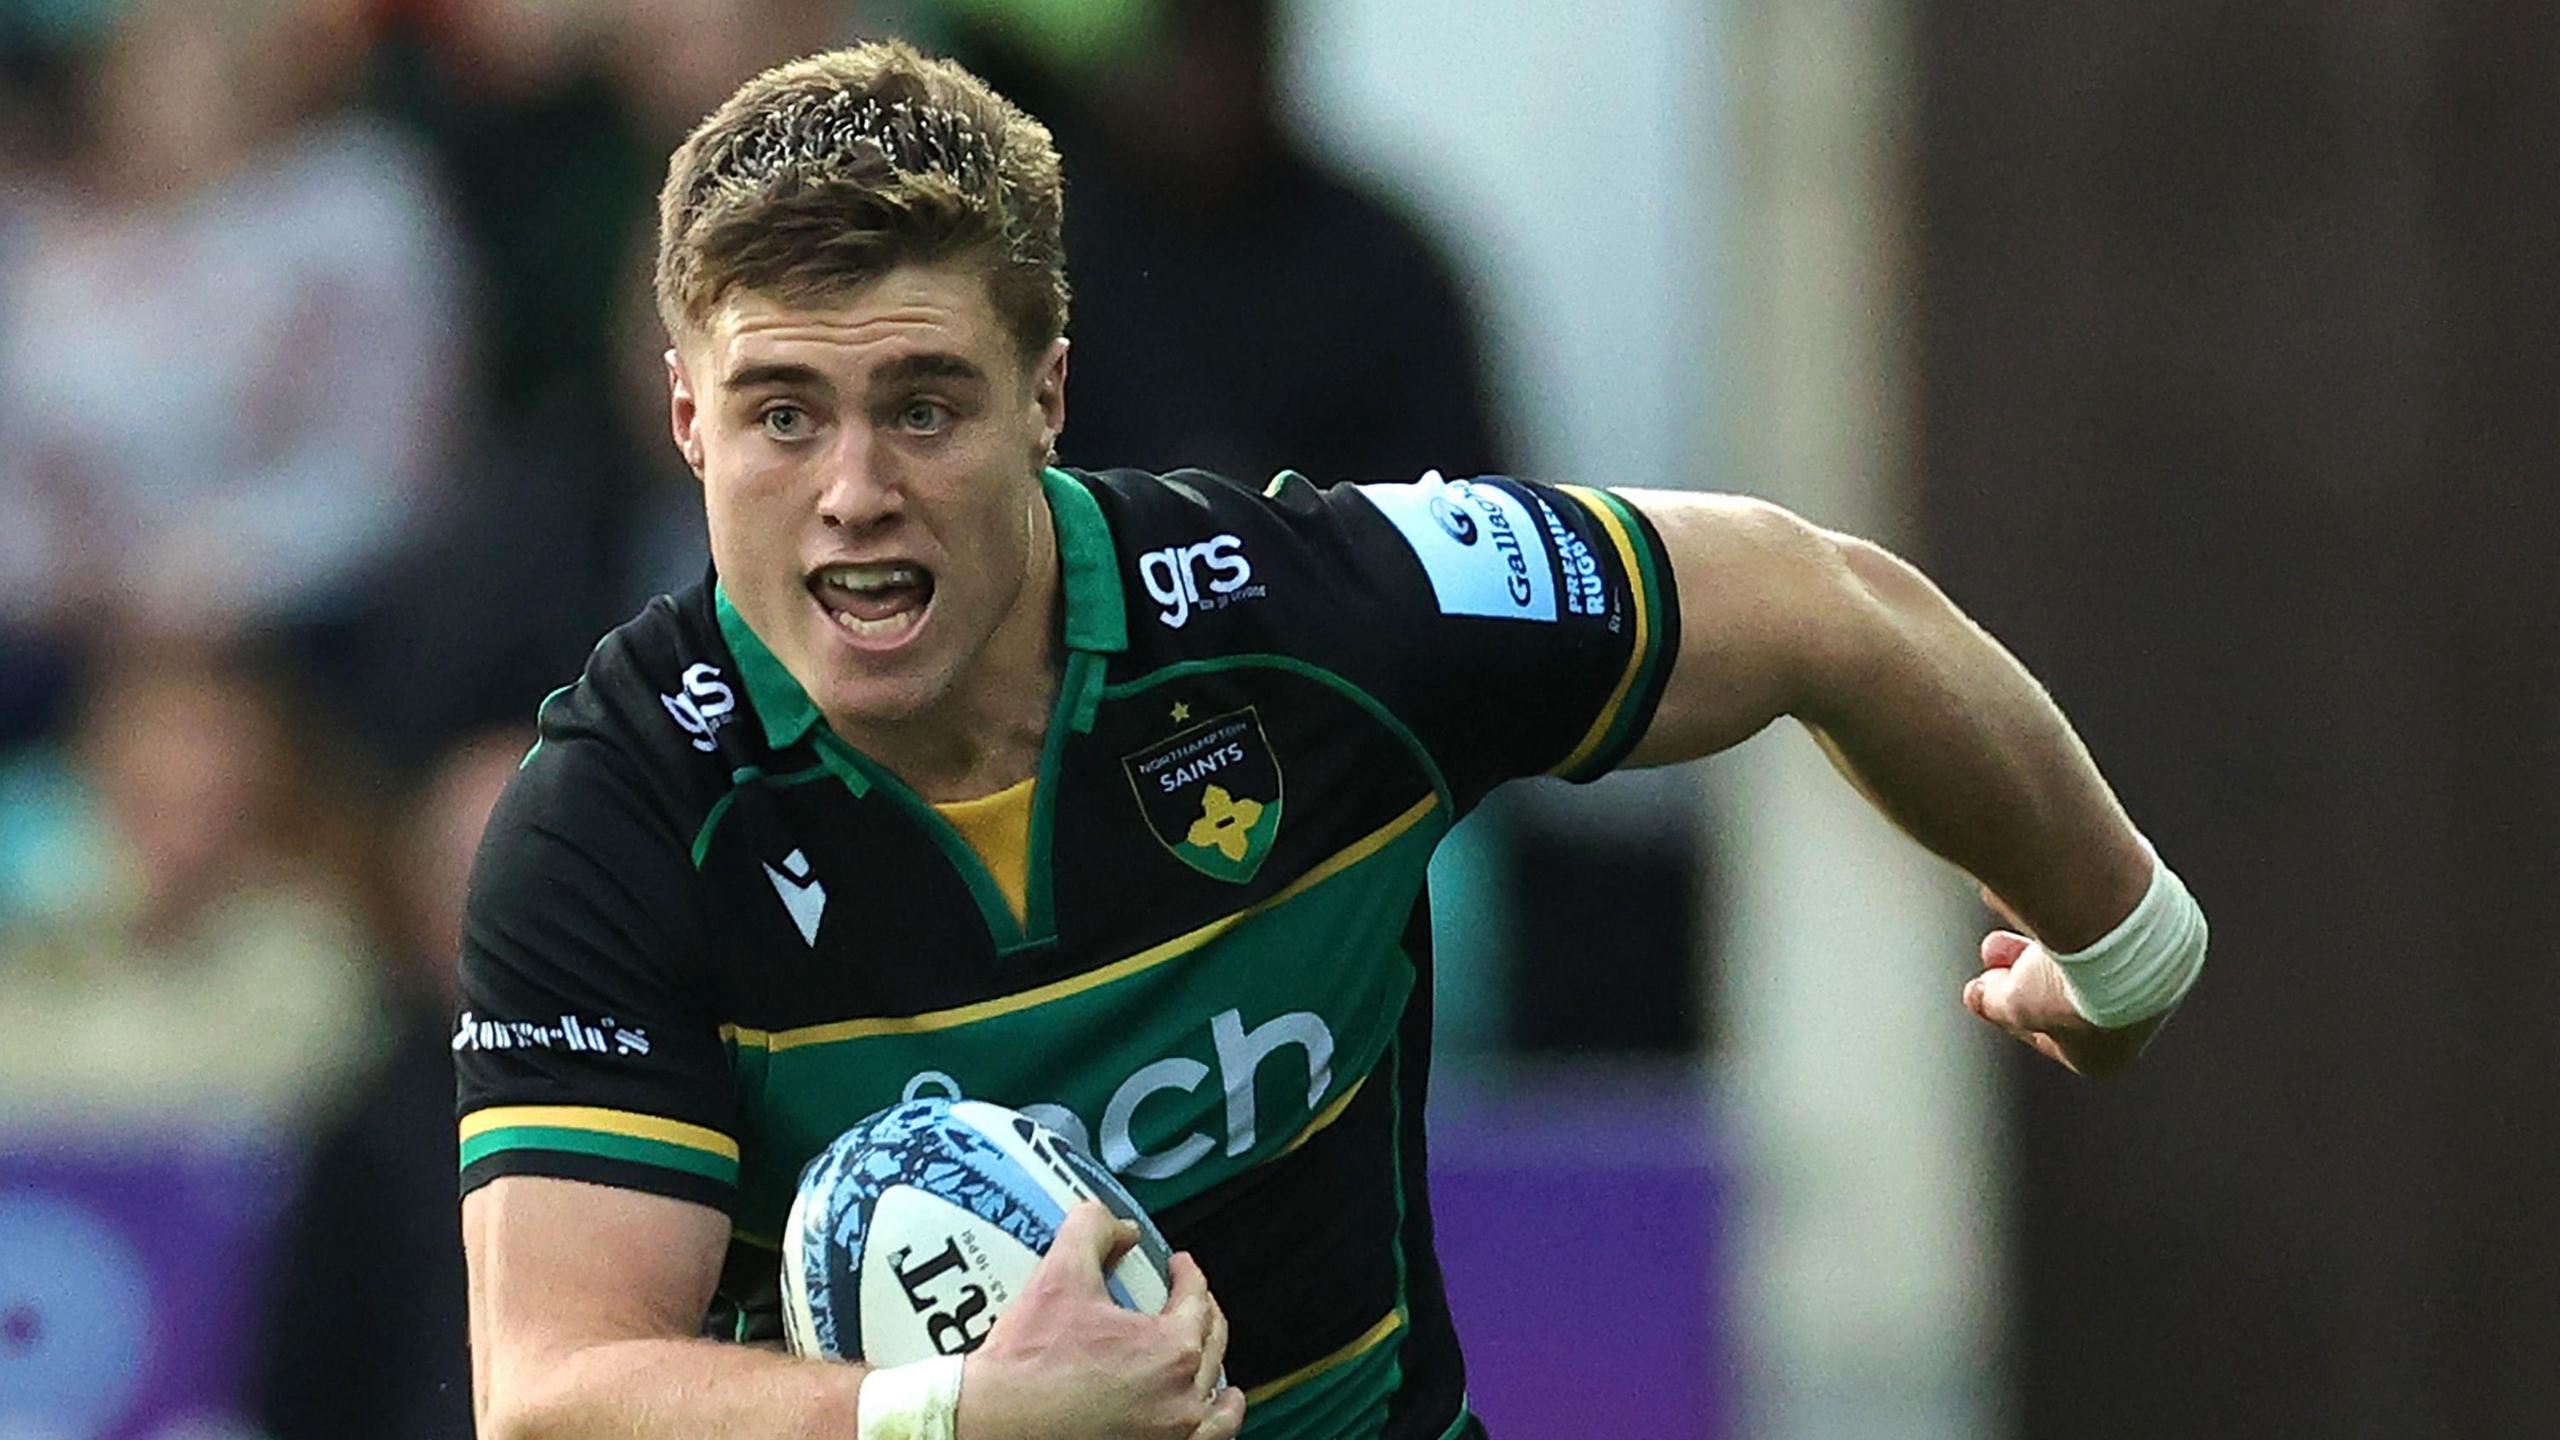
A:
(751, 376)
(935, 365)
(904, 371)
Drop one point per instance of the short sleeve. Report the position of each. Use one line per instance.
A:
(588, 1047)
(1529, 628)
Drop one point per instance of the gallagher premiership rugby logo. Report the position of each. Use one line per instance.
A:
(1211, 794)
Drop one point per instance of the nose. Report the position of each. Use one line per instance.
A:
(860, 487)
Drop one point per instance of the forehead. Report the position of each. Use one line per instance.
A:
(912, 310)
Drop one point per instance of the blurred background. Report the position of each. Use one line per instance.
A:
(2210, 355)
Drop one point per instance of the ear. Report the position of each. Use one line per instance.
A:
(1049, 392)
(684, 413)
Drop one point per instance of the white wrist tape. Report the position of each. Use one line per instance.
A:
(2145, 965)
(920, 1401)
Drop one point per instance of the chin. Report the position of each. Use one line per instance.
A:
(880, 700)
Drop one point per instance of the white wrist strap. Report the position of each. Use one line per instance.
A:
(920, 1401)
(2145, 965)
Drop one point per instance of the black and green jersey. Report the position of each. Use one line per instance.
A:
(707, 935)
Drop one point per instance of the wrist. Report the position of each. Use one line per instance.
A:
(2144, 967)
(917, 1401)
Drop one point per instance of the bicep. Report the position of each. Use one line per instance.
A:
(558, 1265)
(1769, 606)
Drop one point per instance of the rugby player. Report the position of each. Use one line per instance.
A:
(1107, 796)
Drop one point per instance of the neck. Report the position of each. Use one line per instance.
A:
(987, 732)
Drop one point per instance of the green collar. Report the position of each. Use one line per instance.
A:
(1097, 621)
(1089, 572)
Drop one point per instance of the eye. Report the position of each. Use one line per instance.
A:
(924, 417)
(786, 422)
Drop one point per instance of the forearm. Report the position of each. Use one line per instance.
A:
(1953, 740)
(673, 1390)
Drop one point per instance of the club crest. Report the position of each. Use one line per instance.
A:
(1211, 794)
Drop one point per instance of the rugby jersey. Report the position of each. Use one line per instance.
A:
(707, 935)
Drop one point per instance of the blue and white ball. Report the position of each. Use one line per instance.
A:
(919, 1226)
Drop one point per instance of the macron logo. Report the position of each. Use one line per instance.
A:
(801, 894)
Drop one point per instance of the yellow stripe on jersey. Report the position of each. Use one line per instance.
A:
(602, 1122)
(1324, 1117)
(777, 1041)
(1637, 653)
(1376, 1336)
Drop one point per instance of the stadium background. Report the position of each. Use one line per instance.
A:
(2209, 354)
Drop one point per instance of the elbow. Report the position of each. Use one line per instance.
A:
(519, 1407)
(504, 1415)
(505, 1422)
(522, 1421)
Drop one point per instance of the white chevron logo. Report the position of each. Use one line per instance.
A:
(801, 894)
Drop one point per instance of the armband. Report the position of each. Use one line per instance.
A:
(2144, 966)
(918, 1401)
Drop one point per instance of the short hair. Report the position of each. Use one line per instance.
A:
(824, 174)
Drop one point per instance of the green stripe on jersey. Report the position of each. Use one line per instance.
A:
(629, 1148)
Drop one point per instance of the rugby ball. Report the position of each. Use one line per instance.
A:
(917, 1227)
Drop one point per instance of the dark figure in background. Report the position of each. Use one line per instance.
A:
(539, 150)
(365, 1324)
(540, 153)
(1235, 300)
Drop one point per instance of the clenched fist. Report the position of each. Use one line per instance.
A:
(1067, 1363)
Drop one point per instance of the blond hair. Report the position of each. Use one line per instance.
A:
(820, 176)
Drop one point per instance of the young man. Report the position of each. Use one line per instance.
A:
(1107, 796)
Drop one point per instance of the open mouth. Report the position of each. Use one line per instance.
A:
(875, 602)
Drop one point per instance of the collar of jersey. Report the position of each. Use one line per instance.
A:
(1089, 573)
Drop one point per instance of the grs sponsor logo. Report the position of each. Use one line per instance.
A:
(593, 1037)
(1577, 572)
(704, 705)
(1194, 579)
(1478, 544)
(1239, 1054)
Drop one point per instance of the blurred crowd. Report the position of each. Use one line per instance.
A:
(332, 433)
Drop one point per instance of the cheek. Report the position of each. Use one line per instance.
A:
(750, 548)
(740, 501)
(999, 540)
(720, 509)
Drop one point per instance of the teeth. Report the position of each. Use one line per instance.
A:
(879, 629)
(863, 579)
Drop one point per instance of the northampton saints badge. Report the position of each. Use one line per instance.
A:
(1211, 793)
